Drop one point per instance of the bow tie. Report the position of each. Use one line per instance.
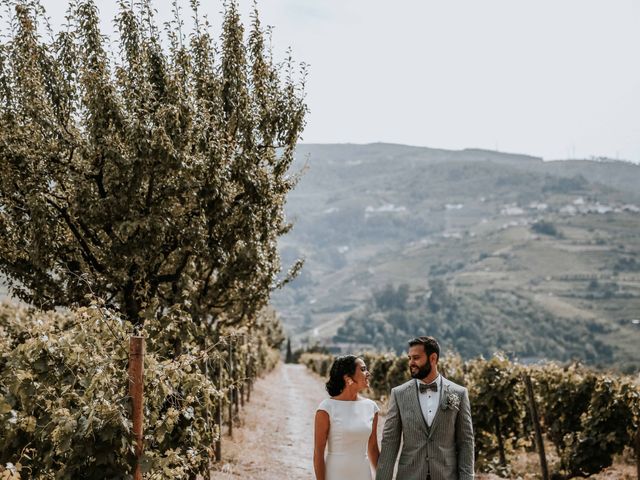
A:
(431, 386)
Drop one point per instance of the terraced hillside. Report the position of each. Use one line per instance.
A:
(559, 240)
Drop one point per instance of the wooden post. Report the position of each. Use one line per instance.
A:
(533, 410)
(220, 406)
(248, 379)
(230, 367)
(136, 375)
(503, 458)
(207, 414)
(638, 452)
(249, 374)
(244, 372)
(236, 390)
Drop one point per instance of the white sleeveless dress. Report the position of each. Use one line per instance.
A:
(350, 424)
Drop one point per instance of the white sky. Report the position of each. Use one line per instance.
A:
(554, 78)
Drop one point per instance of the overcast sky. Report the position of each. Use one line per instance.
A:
(553, 78)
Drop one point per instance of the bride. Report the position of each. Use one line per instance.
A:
(347, 423)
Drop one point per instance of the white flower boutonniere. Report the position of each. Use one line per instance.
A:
(452, 401)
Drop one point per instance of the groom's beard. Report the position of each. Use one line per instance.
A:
(422, 372)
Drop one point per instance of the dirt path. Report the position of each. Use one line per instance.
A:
(276, 441)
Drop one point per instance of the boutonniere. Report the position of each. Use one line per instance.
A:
(451, 401)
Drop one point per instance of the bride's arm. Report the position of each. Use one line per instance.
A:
(374, 452)
(320, 442)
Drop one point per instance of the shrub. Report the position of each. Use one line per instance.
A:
(545, 228)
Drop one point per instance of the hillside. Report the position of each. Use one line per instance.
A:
(558, 240)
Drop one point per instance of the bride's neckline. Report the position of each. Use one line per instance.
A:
(359, 399)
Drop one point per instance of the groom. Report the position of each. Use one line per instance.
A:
(433, 417)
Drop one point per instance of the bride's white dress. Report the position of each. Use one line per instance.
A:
(350, 424)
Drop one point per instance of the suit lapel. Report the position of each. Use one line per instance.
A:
(415, 401)
(444, 391)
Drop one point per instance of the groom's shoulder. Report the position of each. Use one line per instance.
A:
(404, 386)
(453, 385)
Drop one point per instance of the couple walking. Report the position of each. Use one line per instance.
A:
(430, 414)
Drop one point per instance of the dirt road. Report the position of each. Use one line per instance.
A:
(276, 440)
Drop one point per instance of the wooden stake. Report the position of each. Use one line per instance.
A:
(250, 382)
(249, 377)
(208, 406)
(230, 361)
(638, 452)
(236, 390)
(136, 376)
(219, 407)
(503, 458)
(244, 373)
(533, 410)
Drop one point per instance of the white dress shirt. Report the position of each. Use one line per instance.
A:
(430, 400)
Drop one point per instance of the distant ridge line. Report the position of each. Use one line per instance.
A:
(594, 160)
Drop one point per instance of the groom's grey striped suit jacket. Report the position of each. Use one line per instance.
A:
(444, 450)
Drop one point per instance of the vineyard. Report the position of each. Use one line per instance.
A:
(65, 406)
(588, 417)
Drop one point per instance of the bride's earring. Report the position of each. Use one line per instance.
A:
(349, 381)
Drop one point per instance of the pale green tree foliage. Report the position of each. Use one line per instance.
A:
(151, 176)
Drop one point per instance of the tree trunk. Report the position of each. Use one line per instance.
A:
(503, 458)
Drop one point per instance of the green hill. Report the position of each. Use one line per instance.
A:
(529, 247)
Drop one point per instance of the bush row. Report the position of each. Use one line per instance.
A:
(64, 404)
(588, 416)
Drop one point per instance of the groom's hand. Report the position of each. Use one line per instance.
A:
(464, 439)
(391, 436)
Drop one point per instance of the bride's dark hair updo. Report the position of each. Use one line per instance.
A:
(343, 365)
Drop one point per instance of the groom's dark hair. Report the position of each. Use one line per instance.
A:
(430, 345)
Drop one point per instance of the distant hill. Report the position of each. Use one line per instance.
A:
(558, 239)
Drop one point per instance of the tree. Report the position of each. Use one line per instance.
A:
(545, 228)
(439, 296)
(150, 178)
(389, 297)
(289, 356)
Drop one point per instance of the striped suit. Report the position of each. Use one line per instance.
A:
(443, 451)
